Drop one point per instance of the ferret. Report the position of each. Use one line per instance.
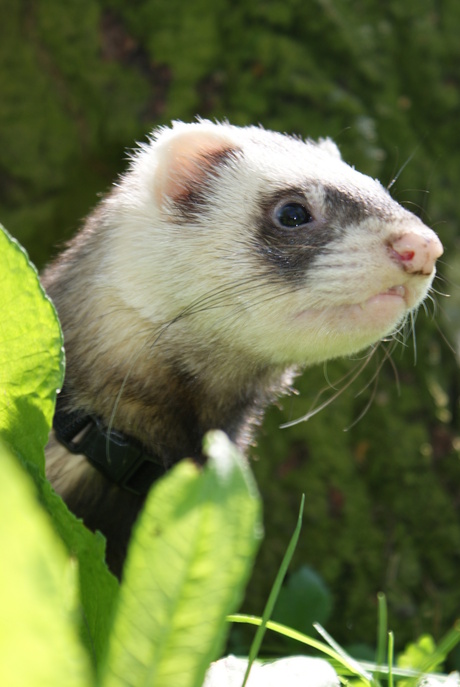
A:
(221, 263)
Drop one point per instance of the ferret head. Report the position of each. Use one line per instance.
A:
(263, 244)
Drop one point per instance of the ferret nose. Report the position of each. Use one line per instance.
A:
(417, 252)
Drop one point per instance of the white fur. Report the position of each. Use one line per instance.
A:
(160, 268)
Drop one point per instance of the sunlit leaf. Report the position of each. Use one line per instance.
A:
(31, 356)
(39, 643)
(191, 555)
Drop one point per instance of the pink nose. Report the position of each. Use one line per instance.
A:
(417, 252)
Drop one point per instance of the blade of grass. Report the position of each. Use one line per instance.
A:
(257, 641)
(345, 665)
(400, 673)
(390, 658)
(382, 628)
(342, 653)
(341, 661)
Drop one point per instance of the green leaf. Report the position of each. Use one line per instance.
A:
(39, 645)
(303, 600)
(98, 587)
(30, 345)
(416, 654)
(31, 369)
(189, 560)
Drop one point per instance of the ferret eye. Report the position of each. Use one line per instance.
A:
(293, 215)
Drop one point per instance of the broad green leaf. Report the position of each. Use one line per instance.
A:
(303, 600)
(98, 587)
(39, 644)
(30, 345)
(31, 369)
(189, 560)
(416, 654)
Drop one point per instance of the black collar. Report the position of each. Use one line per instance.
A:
(120, 458)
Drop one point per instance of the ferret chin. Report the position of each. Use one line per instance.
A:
(224, 260)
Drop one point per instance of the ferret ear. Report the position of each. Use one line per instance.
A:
(186, 159)
(328, 145)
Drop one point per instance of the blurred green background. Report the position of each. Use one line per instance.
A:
(82, 80)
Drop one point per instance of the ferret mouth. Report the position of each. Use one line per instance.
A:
(397, 296)
(398, 291)
(388, 305)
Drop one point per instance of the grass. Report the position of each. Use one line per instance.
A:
(424, 657)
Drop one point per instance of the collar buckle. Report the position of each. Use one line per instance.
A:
(121, 459)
